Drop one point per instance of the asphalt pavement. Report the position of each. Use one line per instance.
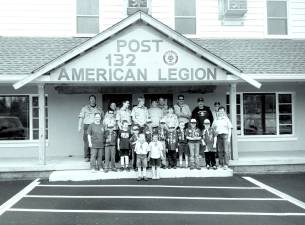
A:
(219, 201)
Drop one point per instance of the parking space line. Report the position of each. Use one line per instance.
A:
(151, 197)
(150, 186)
(154, 212)
(17, 197)
(277, 192)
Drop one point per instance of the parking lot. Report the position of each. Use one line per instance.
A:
(228, 201)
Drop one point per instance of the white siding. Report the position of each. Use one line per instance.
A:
(164, 11)
(37, 17)
(112, 12)
(297, 18)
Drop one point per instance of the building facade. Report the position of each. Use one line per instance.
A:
(249, 55)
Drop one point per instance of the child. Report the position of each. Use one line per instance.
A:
(172, 146)
(148, 130)
(96, 142)
(110, 142)
(141, 149)
(133, 140)
(155, 156)
(109, 120)
(182, 145)
(193, 135)
(209, 139)
(124, 146)
(162, 135)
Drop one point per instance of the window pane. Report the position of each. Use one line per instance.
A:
(185, 25)
(285, 119)
(185, 8)
(35, 134)
(35, 123)
(285, 108)
(285, 129)
(259, 114)
(87, 7)
(285, 98)
(277, 26)
(88, 25)
(35, 101)
(137, 3)
(14, 117)
(36, 112)
(276, 9)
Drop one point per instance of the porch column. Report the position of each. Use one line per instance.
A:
(233, 113)
(42, 126)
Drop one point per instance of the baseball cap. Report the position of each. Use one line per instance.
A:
(206, 121)
(180, 97)
(162, 121)
(110, 125)
(135, 128)
(200, 99)
(149, 120)
(193, 120)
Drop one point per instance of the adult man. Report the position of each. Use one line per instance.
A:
(139, 114)
(86, 117)
(223, 129)
(124, 113)
(155, 113)
(202, 112)
(163, 106)
(182, 110)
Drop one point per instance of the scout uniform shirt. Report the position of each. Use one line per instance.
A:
(96, 131)
(162, 134)
(148, 134)
(111, 137)
(87, 113)
(139, 115)
(181, 136)
(124, 136)
(193, 132)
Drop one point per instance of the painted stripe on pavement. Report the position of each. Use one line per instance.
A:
(13, 200)
(150, 186)
(277, 192)
(155, 212)
(151, 197)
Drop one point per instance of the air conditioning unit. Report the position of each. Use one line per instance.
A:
(137, 5)
(234, 8)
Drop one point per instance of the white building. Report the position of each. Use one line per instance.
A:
(247, 52)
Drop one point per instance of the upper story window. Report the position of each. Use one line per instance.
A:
(87, 14)
(137, 5)
(277, 17)
(185, 16)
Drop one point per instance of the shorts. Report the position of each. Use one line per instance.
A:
(183, 148)
(141, 160)
(124, 152)
(155, 162)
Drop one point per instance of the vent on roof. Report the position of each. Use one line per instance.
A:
(235, 8)
(137, 5)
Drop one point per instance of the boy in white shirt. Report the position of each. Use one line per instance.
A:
(155, 156)
(141, 149)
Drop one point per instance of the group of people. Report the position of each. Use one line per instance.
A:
(156, 137)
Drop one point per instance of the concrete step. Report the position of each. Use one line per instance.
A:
(87, 175)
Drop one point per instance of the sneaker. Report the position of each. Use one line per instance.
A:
(106, 170)
(127, 169)
(139, 178)
(225, 167)
(93, 170)
(122, 169)
(135, 169)
(186, 166)
(145, 178)
(87, 160)
(175, 167)
(208, 167)
(191, 168)
(198, 168)
(101, 170)
(214, 167)
(163, 166)
(114, 169)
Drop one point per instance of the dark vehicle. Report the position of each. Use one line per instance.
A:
(11, 128)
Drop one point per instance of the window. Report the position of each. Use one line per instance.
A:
(137, 3)
(277, 17)
(238, 113)
(19, 117)
(264, 113)
(185, 16)
(87, 16)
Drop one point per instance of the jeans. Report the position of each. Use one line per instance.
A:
(110, 155)
(223, 149)
(172, 158)
(85, 139)
(96, 158)
(194, 154)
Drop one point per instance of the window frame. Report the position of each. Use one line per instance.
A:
(187, 17)
(31, 139)
(277, 135)
(77, 34)
(287, 21)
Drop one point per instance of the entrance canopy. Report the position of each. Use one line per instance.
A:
(139, 49)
